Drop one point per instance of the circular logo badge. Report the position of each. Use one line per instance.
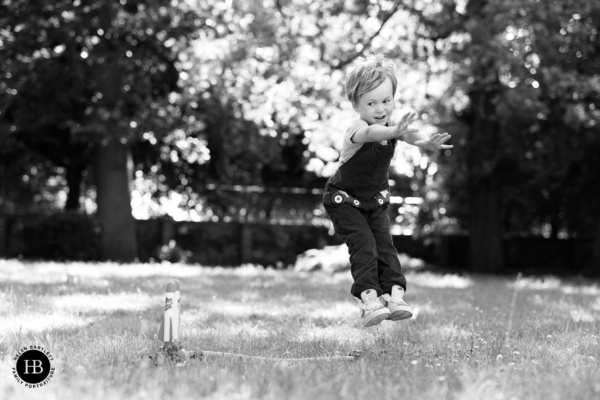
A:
(33, 366)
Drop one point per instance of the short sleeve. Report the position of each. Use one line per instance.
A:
(353, 128)
(350, 148)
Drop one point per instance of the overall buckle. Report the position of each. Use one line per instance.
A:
(383, 197)
(340, 197)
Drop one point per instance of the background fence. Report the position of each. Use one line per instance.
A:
(75, 237)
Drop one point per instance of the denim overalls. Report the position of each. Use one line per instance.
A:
(356, 199)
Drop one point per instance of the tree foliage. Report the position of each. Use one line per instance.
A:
(74, 70)
(212, 94)
(528, 72)
(79, 76)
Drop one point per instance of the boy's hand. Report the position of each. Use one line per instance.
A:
(403, 123)
(435, 142)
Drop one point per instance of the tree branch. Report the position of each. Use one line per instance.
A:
(342, 63)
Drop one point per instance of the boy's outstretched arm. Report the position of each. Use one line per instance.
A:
(433, 142)
(378, 133)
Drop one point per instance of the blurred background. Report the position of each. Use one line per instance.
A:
(204, 131)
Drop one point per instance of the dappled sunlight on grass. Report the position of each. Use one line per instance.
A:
(421, 309)
(293, 298)
(548, 283)
(582, 315)
(35, 323)
(285, 312)
(446, 331)
(553, 283)
(94, 303)
(431, 280)
(551, 297)
(228, 330)
(227, 325)
(248, 271)
(247, 295)
(593, 290)
(7, 302)
(345, 336)
(239, 310)
(345, 311)
(472, 336)
(50, 272)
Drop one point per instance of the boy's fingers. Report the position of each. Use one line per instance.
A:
(408, 117)
(440, 137)
(433, 144)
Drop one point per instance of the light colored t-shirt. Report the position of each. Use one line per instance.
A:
(349, 148)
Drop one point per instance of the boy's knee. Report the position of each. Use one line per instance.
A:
(363, 249)
(362, 240)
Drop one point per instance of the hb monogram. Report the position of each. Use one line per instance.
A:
(36, 366)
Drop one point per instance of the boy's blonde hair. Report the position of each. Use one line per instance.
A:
(369, 74)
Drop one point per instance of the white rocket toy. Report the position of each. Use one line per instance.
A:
(168, 332)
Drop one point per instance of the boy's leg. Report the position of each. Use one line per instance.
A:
(389, 268)
(352, 226)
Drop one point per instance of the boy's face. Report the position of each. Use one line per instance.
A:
(376, 106)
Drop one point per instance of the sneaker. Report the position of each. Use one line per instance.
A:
(395, 303)
(372, 311)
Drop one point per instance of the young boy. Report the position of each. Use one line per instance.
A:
(357, 196)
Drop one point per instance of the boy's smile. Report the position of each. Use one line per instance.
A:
(377, 105)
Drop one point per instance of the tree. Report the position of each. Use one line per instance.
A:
(522, 112)
(104, 64)
(261, 83)
(198, 100)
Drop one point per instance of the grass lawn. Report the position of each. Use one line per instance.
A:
(473, 337)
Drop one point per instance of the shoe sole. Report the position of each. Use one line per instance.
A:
(400, 314)
(377, 317)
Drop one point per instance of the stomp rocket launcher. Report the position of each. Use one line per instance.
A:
(172, 352)
(168, 331)
(170, 326)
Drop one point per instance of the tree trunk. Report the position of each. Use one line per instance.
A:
(485, 241)
(74, 177)
(113, 158)
(118, 238)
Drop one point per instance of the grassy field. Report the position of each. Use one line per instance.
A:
(473, 337)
